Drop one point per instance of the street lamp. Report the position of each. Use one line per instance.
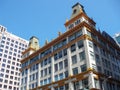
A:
(103, 82)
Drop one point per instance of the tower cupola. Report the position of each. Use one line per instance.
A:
(77, 9)
(34, 43)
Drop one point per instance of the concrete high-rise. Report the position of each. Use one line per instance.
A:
(81, 58)
(11, 47)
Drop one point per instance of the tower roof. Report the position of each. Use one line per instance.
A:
(33, 37)
(77, 5)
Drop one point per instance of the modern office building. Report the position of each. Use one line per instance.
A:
(80, 58)
(117, 38)
(11, 47)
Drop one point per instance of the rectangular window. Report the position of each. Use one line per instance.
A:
(72, 37)
(1, 80)
(95, 47)
(76, 85)
(56, 88)
(45, 71)
(41, 73)
(71, 26)
(56, 67)
(92, 55)
(82, 55)
(6, 76)
(3, 41)
(49, 80)
(66, 74)
(26, 71)
(37, 66)
(66, 87)
(56, 77)
(97, 58)
(65, 51)
(3, 37)
(73, 48)
(3, 65)
(65, 63)
(74, 59)
(85, 83)
(5, 86)
(2, 70)
(60, 65)
(4, 60)
(36, 75)
(45, 81)
(45, 62)
(55, 56)
(41, 63)
(80, 44)
(79, 33)
(64, 42)
(75, 71)
(41, 82)
(61, 76)
(6, 51)
(32, 86)
(88, 33)
(59, 44)
(60, 54)
(1, 75)
(49, 70)
(8, 66)
(83, 67)
(99, 69)
(61, 87)
(49, 60)
(6, 81)
(25, 79)
(90, 44)
(10, 82)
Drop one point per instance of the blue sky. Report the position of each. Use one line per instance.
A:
(45, 18)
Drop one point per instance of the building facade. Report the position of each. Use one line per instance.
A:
(11, 47)
(81, 58)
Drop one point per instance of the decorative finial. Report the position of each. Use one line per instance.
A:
(66, 20)
(46, 42)
(59, 33)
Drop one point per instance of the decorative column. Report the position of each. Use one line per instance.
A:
(39, 69)
(52, 71)
(71, 87)
(27, 84)
(91, 82)
(69, 62)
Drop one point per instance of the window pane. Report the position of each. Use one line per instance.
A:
(74, 59)
(65, 63)
(60, 65)
(56, 67)
(73, 48)
(82, 55)
(83, 67)
(75, 71)
(80, 44)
